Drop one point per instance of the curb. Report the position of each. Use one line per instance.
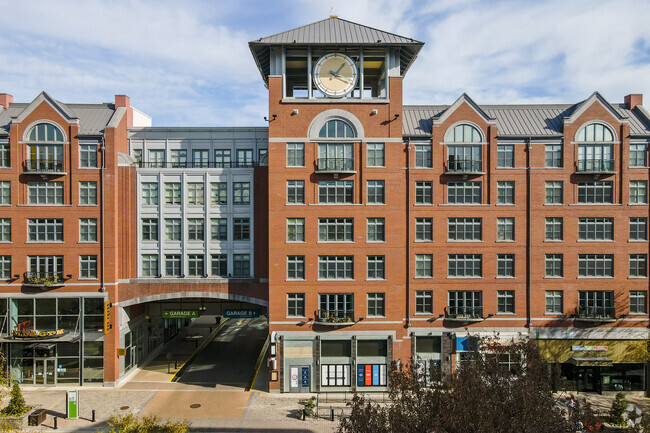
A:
(258, 363)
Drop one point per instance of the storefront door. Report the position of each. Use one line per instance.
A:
(45, 371)
(588, 378)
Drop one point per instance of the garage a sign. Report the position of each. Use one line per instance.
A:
(180, 314)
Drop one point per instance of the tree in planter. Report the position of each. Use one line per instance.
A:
(16, 406)
(619, 407)
(486, 394)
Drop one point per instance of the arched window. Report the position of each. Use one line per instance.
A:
(595, 132)
(336, 129)
(463, 133)
(45, 132)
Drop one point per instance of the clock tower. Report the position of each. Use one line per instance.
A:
(338, 259)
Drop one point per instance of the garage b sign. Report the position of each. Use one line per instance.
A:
(241, 314)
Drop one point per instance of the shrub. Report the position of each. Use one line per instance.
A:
(130, 423)
(16, 406)
(619, 407)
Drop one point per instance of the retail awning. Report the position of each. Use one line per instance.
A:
(595, 361)
(66, 338)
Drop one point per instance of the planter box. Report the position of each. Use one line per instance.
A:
(17, 422)
(37, 417)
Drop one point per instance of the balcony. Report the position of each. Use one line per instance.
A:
(465, 314)
(464, 167)
(335, 317)
(335, 165)
(596, 314)
(595, 166)
(198, 164)
(43, 280)
(44, 167)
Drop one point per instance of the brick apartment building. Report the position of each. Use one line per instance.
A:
(366, 229)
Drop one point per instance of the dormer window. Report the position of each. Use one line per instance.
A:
(464, 159)
(595, 149)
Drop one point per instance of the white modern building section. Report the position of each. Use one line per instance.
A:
(195, 200)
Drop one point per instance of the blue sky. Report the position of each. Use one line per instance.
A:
(188, 63)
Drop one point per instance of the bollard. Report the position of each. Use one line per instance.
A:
(55, 423)
(93, 417)
(303, 414)
(331, 413)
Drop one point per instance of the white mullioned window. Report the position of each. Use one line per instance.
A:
(554, 265)
(173, 229)
(173, 265)
(464, 192)
(295, 305)
(376, 192)
(376, 230)
(45, 192)
(296, 191)
(554, 229)
(219, 265)
(336, 229)
(195, 229)
(88, 267)
(639, 191)
(241, 228)
(464, 229)
(45, 230)
(195, 193)
(505, 155)
(150, 229)
(241, 265)
(423, 156)
(173, 193)
(424, 192)
(424, 302)
(88, 193)
(88, 155)
(336, 267)
(295, 154)
(219, 229)
(241, 192)
(638, 228)
(505, 229)
(295, 230)
(505, 265)
(424, 266)
(638, 265)
(596, 229)
(376, 268)
(465, 265)
(553, 155)
(5, 160)
(335, 191)
(149, 193)
(505, 301)
(595, 192)
(375, 155)
(219, 193)
(5, 267)
(150, 265)
(505, 192)
(424, 229)
(638, 155)
(5, 229)
(553, 189)
(195, 265)
(295, 267)
(638, 302)
(554, 302)
(5, 192)
(595, 265)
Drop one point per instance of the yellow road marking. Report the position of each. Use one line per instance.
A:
(223, 320)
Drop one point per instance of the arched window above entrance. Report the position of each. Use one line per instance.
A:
(45, 132)
(337, 129)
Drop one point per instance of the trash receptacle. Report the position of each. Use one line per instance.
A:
(37, 417)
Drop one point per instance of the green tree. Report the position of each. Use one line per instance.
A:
(619, 408)
(16, 406)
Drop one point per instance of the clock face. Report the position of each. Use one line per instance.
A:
(335, 75)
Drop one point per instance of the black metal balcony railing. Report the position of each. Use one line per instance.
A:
(607, 313)
(464, 166)
(44, 279)
(335, 316)
(197, 164)
(44, 166)
(598, 165)
(335, 165)
(465, 312)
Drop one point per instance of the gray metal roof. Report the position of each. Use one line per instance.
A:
(93, 118)
(334, 31)
(543, 120)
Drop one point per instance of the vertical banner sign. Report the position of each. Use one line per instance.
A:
(107, 317)
(361, 374)
(72, 407)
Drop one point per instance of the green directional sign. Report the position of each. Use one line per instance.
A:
(180, 314)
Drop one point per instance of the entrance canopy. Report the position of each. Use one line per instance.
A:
(600, 361)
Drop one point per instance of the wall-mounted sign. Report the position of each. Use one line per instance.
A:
(36, 334)
(180, 314)
(121, 352)
(107, 317)
(241, 314)
(589, 348)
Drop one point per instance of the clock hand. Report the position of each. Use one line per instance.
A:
(340, 67)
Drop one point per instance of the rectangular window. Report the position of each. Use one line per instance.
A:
(595, 157)
(149, 193)
(376, 192)
(173, 229)
(173, 193)
(376, 303)
(336, 307)
(87, 230)
(554, 265)
(296, 191)
(45, 192)
(554, 229)
(505, 192)
(149, 229)
(222, 158)
(173, 265)
(376, 267)
(241, 229)
(639, 191)
(5, 267)
(137, 157)
(219, 265)
(553, 155)
(244, 157)
(638, 228)
(5, 192)
(195, 229)
(638, 265)
(261, 153)
(336, 267)
(424, 229)
(375, 155)
(596, 304)
(376, 230)
(506, 265)
(595, 265)
(5, 229)
(335, 191)
(335, 229)
(424, 301)
(241, 265)
(638, 155)
(595, 192)
(295, 230)
(465, 265)
(295, 304)
(88, 193)
(335, 157)
(464, 229)
(200, 158)
(424, 192)
(195, 265)
(46, 266)
(5, 160)
(335, 375)
(554, 304)
(638, 302)
(424, 266)
(596, 229)
(241, 192)
(88, 267)
(464, 158)
(505, 155)
(423, 156)
(295, 154)
(88, 155)
(219, 229)
(195, 193)
(465, 304)
(150, 265)
(464, 192)
(554, 193)
(295, 267)
(219, 192)
(179, 158)
(505, 302)
(45, 230)
(505, 229)
(156, 158)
